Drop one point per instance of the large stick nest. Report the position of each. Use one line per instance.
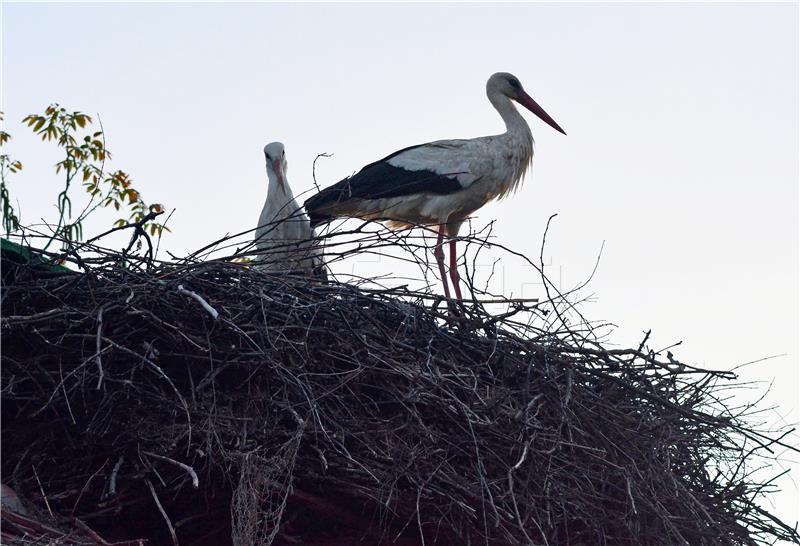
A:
(319, 413)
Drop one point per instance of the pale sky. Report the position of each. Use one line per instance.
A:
(681, 154)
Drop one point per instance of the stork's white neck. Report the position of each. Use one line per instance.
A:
(514, 121)
(518, 142)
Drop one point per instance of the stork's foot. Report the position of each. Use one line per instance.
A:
(458, 309)
(455, 309)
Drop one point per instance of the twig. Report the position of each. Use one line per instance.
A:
(98, 346)
(41, 490)
(163, 512)
(112, 481)
(136, 225)
(186, 467)
(36, 317)
(314, 168)
(86, 486)
(164, 225)
(211, 311)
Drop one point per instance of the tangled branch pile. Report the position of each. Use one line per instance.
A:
(211, 403)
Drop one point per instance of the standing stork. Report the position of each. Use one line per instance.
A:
(284, 238)
(440, 183)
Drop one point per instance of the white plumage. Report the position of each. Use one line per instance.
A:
(440, 183)
(284, 239)
(485, 168)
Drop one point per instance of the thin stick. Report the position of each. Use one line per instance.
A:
(41, 489)
(163, 512)
(112, 482)
(186, 467)
(98, 352)
(211, 311)
(314, 168)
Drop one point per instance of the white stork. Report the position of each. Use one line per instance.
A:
(440, 183)
(284, 238)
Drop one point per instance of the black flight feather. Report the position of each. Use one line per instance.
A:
(380, 180)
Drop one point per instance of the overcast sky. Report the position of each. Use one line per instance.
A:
(681, 154)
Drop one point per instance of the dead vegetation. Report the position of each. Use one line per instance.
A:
(208, 402)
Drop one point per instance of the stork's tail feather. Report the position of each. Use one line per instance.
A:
(316, 204)
(316, 219)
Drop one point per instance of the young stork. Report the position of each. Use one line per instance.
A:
(440, 183)
(284, 238)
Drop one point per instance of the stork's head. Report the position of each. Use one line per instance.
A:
(503, 83)
(275, 154)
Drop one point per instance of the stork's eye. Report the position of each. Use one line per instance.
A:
(514, 83)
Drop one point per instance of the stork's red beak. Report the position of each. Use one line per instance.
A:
(276, 166)
(525, 100)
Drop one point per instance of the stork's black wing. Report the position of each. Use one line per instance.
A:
(382, 179)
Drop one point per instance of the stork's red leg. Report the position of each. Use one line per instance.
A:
(454, 269)
(439, 253)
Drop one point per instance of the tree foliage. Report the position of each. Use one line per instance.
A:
(8, 166)
(85, 158)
